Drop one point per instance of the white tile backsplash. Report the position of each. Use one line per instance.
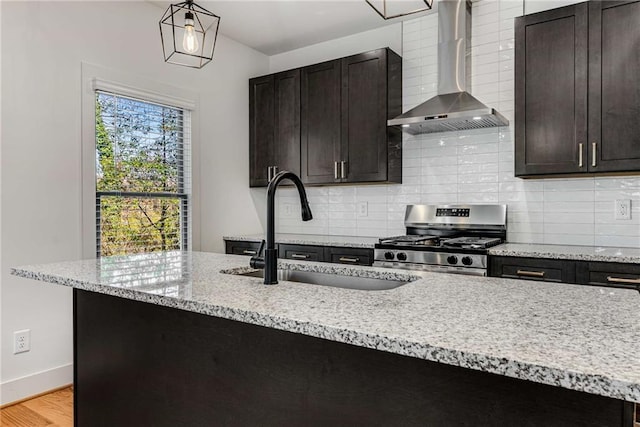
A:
(473, 166)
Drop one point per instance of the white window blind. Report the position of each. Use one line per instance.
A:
(143, 176)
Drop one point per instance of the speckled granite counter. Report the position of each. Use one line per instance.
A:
(579, 253)
(313, 239)
(578, 337)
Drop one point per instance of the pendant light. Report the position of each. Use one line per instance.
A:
(389, 9)
(188, 33)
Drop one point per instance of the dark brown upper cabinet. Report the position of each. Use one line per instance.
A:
(345, 107)
(577, 101)
(343, 137)
(371, 94)
(614, 92)
(320, 139)
(261, 137)
(274, 126)
(551, 91)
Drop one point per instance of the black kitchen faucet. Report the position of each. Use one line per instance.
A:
(269, 260)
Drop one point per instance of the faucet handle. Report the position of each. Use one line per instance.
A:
(257, 261)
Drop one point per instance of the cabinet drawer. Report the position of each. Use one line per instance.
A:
(301, 252)
(352, 256)
(548, 270)
(609, 274)
(237, 247)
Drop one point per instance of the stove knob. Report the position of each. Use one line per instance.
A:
(467, 260)
(402, 256)
(452, 259)
(389, 255)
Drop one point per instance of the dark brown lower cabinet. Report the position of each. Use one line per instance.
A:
(612, 274)
(619, 275)
(141, 364)
(332, 254)
(337, 255)
(542, 269)
(352, 256)
(241, 247)
(301, 252)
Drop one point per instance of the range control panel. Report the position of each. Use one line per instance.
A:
(453, 212)
(430, 258)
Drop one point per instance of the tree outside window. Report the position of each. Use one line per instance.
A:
(142, 176)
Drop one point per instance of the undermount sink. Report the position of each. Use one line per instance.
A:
(335, 280)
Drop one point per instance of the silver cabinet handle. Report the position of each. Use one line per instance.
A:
(343, 169)
(530, 273)
(275, 171)
(595, 151)
(269, 173)
(248, 252)
(580, 155)
(345, 259)
(335, 170)
(623, 280)
(299, 256)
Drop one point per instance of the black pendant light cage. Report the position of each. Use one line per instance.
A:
(173, 28)
(389, 9)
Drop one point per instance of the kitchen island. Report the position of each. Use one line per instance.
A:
(170, 339)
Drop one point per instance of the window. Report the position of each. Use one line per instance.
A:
(142, 177)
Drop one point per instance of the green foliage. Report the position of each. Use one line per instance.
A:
(138, 150)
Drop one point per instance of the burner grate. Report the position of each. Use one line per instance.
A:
(410, 240)
(473, 242)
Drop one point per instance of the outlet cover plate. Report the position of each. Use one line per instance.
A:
(623, 209)
(289, 210)
(363, 209)
(21, 341)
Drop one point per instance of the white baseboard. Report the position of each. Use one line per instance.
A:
(34, 384)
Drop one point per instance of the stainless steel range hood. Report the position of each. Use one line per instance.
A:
(453, 108)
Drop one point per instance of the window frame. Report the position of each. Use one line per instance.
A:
(96, 78)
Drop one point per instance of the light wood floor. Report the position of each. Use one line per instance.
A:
(54, 410)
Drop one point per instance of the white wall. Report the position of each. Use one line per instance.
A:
(387, 36)
(41, 164)
(474, 166)
(534, 6)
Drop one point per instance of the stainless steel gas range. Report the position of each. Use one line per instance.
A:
(447, 238)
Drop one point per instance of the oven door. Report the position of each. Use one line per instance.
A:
(432, 268)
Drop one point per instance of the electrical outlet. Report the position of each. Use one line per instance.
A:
(363, 209)
(21, 341)
(288, 210)
(623, 209)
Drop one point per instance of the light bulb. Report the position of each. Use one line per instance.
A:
(190, 40)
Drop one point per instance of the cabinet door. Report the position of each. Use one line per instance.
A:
(617, 275)
(261, 136)
(287, 121)
(320, 117)
(542, 269)
(551, 91)
(364, 116)
(614, 97)
(352, 256)
(301, 252)
(241, 247)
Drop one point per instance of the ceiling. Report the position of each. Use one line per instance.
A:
(276, 26)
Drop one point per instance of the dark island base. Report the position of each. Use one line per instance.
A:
(139, 364)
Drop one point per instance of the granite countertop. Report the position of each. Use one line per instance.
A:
(579, 253)
(583, 338)
(313, 239)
